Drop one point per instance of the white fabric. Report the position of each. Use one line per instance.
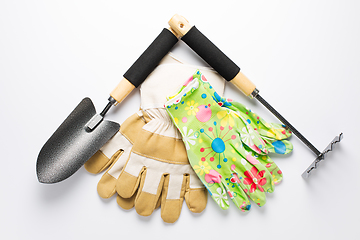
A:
(118, 141)
(193, 84)
(112, 146)
(161, 123)
(169, 76)
(156, 169)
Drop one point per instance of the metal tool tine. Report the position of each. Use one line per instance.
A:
(321, 157)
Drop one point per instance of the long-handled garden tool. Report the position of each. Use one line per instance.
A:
(231, 72)
(84, 132)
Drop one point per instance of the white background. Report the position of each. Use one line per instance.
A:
(302, 55)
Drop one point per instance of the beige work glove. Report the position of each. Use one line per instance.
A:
(157, 172)
(113, 156)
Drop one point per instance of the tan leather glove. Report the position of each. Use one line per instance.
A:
(147, 160)
(113, 156)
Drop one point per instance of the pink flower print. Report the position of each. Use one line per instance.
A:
(188, 81)
(255, 179)
(262, 141)
(231, 195)
(203, 78)
(235, 178)
(242, 207)
(213, 177)
(251, 159)
(204, 113)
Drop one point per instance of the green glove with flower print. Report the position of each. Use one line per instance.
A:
(227, 144)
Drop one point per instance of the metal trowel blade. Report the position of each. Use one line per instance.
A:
(72, 144)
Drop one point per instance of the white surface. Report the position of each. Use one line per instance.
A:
(302, 55)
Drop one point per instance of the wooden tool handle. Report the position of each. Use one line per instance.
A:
(179, 25)
(211, 54)
(122, 90)
(145, 64)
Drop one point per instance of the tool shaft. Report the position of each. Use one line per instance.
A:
(286, 123)
(225, 67)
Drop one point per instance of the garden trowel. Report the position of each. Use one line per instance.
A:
(84, 131)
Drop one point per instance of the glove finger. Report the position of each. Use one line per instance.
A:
(151, 184)
(274, 170)
(126, 203)
(255, 132)
(98, 162)
(230, 117)
(266, 161)
(123, 140)
(251, 175)
(172, 197)
(217, 190)
(107, 184)
(127, 184)
(129, 178)
(219, 186)
(274, 130)
(255, 182)
(237, 195)
(278, 146)
(249, 165)
(195, 194)
(117, 147)
(158, 204)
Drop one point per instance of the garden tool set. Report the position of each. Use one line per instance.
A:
(185, 139)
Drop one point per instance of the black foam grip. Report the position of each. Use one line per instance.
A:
(148, 61)
(210, 53)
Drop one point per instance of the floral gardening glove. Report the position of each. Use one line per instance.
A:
(272, 134)
(225, 145)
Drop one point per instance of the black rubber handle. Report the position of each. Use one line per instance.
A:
(211, 54)
(148, 61)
